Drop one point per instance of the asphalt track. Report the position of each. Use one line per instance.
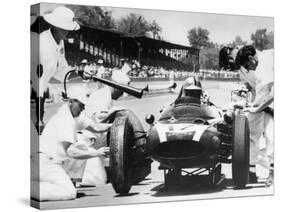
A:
(152, 188)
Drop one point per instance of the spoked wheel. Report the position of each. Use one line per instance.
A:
(121, 135)
(240, 151)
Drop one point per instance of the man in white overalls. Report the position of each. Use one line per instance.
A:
(58, 143)
(256, 68)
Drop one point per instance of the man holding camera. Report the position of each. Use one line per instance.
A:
(256, 69)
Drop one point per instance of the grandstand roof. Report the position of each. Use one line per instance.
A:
(102, 34)
(154, 43)
(142, 48)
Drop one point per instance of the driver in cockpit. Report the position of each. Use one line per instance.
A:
(192, 92)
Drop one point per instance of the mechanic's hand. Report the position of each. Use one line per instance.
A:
(251, 109)
(238, 104)
(101, 127)
(101, 115)
(103, 151)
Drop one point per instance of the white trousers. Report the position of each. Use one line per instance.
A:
(53, 181)
(94, 173)
(261, 139)
(91, 171)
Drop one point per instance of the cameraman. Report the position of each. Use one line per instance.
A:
(256, 69)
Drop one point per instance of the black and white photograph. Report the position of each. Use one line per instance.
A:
(133, 106)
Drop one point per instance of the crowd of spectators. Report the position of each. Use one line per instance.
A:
(146, 71)
(169, 68)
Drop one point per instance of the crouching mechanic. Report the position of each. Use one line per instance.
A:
(256, 69)
(58, 143)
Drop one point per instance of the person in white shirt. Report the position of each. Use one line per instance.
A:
(84, 66)
(125, 67)
(100, 100)
(51, 61)
(256, 68)
(58, 143)
(100, 69)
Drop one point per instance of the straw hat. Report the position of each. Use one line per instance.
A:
(84, 61)
(62, 17)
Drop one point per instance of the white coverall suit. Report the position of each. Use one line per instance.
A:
(261, 123)
(54, 182)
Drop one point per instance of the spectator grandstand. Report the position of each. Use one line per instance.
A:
(94, 44)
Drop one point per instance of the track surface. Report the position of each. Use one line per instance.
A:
(152, 188)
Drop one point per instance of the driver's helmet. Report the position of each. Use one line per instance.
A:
(192, 91)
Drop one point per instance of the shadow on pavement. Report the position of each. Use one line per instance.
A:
(197, 185)
(228, 184)
(187, 186)
(162, 191)
(126, 195)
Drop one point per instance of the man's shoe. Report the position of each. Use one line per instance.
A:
(253, 177)
(270, 179)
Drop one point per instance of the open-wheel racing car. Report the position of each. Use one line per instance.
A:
(194, 137)
(191, 136)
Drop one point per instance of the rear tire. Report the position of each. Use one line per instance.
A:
(240, 151)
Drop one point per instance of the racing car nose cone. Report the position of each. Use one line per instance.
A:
(179, 149)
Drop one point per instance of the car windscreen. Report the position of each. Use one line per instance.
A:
(190, 112)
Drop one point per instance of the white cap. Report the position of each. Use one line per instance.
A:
(78, 92)
(62, 17)
(100, 61)
(84, 61)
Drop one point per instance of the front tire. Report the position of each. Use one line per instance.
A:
(119, 159)
(240, 151)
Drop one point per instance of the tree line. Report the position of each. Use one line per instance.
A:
(133, 24)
